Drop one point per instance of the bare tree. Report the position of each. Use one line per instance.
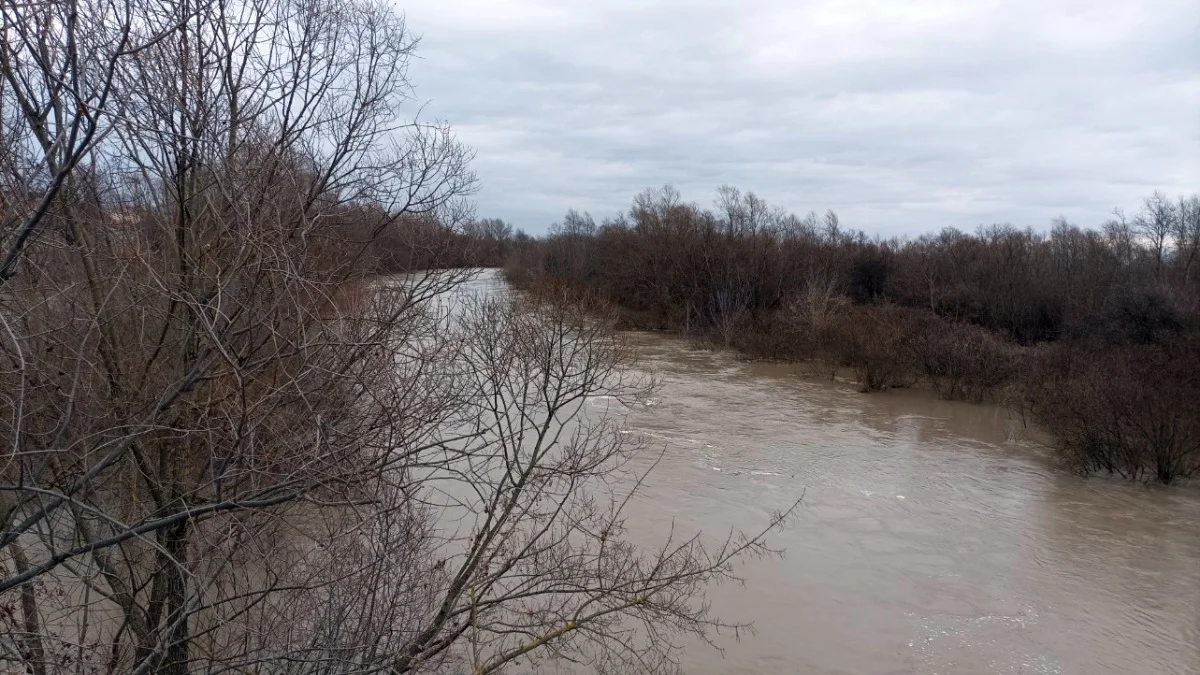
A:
(194, 347)
(727, 311)
(1155, 224)
(538, 556)
(1187, 236)
(228, 448)
(59, 61)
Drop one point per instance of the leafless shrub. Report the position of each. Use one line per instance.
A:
(728, 312)
(962, 362)
(1107, 419)
(873, 341)
(808, 317)
(542, 557)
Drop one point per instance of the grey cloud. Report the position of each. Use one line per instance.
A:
(903, 117)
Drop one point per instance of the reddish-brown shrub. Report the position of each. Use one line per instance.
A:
(962, 362)
(874, 342)
(1132, 411)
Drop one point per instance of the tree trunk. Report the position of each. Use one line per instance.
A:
(32, 651)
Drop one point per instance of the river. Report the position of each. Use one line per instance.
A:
(934, 537)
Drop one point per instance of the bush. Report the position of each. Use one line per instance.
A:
(767, 338)
(962, 362)
(1136, 319)
(805, 322)
(1108, 417)
(874, 342)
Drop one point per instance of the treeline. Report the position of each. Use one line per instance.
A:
(1095, 332)
(428, 243)
(393, 245)
(349, 240)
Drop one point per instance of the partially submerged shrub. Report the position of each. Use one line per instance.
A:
(874, 342)
(1133, 412)
(960, 361)
(766, 339)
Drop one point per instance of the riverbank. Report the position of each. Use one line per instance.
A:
(873, 348)
(1122, 399)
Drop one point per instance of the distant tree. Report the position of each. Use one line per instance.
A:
(1155, 224)
(1187, 236)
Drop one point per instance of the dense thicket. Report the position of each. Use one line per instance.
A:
(967, 312)
(423, 243)
(228, 444)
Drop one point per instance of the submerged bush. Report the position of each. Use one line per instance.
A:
(1132, 412)
(874, 342)
(962, 362)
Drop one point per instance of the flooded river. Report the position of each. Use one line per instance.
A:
(934, 537)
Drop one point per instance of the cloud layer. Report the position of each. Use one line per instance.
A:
(904, 117)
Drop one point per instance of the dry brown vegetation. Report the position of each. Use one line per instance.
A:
(1129, 403)
(965, 313)
(229, 445)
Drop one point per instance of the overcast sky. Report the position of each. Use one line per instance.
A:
(904, 116)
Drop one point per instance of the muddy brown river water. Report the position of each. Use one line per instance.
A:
(934, 537)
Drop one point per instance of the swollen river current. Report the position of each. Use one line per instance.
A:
(934, 537)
